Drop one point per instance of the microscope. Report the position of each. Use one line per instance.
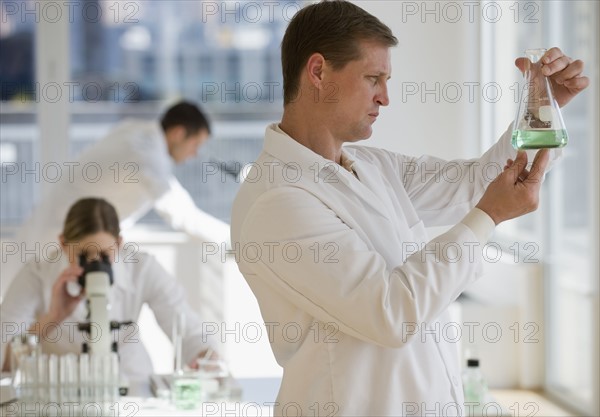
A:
(96, 279)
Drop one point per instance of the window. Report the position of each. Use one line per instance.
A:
(19, 93)
(131, 59)
(565, 224)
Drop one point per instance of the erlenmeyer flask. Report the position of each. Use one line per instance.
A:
(539, 123)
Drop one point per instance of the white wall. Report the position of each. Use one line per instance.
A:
(429, 53)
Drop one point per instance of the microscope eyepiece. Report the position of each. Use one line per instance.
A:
(96, 265)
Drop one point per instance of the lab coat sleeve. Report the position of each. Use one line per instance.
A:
(337, 278)
(443, 191)
(178, 209)
(166, 298)
(21, 306)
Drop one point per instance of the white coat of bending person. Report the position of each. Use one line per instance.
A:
(132, 167)
(334, 239)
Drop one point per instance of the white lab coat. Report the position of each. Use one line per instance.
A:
(330, 260)
(138, 279)
(132, 169)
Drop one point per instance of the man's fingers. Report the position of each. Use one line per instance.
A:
(541, 157)
(515, 171)
(577, 83)
(573, 70)
(522, 64)
(552, 54)
(556, 66)
(540, 163)
(524, 174)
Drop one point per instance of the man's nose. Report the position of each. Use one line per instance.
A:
(382, 98)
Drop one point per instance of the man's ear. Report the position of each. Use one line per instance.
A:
(314, 69)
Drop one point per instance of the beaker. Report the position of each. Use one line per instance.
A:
(186, 390)
(539, 123)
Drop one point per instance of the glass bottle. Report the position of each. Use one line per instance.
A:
(474, 385)
(538, 123)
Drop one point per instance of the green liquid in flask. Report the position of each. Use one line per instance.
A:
(538, 139)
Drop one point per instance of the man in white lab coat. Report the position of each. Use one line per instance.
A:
(132, 168)
(332, 239)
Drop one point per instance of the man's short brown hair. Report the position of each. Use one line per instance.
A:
(332, 28)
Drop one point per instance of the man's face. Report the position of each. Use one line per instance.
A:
(356, 92)
(185, 147)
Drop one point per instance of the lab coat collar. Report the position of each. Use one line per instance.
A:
(282, 146)
(292, 153)
(347, 162)
(367, 184)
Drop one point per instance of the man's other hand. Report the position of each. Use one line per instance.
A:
(516, 191)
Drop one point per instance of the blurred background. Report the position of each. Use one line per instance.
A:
(70, 70)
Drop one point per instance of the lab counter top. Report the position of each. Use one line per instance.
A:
(504, 402)
(154, 407)
(259, 395)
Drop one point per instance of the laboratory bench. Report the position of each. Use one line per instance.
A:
(258, 394)
(512, 403)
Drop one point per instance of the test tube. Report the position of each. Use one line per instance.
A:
(105, 378)
(97, 377)
(16, 352)
(113, 378)
(68, 378)
(28, 378)
(84, 379)
(42, 378)
(52, 380)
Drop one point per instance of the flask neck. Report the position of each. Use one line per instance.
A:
(534, 55)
